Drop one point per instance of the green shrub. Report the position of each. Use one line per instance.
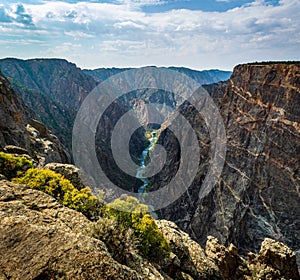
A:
(129, 213)
(13, 166)
(62, 189)
(120, 241)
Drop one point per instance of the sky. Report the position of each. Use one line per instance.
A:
(199, 34)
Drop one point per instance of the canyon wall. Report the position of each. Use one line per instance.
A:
(19, 133)
(257, 194)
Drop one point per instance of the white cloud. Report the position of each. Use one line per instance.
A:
(140, 3)
(128, 24)
(78, 34)
(117, 34)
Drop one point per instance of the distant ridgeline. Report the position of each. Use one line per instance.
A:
(202, 77)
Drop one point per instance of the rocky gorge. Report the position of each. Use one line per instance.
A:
(254, 206)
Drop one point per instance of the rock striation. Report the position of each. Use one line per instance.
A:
(257, 195)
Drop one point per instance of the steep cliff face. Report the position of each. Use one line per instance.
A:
(12, 117)
(52, 88)
(17, 129)
(257, 195)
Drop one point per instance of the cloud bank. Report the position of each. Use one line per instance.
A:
(121, 34)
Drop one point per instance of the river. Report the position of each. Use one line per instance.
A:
(142, 191)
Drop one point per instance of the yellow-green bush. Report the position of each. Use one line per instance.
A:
(62, 189)
(13, 166)
(129, 213)
(120, 242)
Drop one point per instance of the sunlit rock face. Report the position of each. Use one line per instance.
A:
(257, 195)
(17, 129)
(42, 239)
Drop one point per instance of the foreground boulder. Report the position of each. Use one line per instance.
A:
(189, 257)
(232, 266)
(274, 261)
(41, 239)
(69, 171)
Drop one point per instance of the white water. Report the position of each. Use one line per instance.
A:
(139, 174)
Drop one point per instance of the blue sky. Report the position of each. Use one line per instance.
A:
(200, 34)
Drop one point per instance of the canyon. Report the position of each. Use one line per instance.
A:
(256, 198)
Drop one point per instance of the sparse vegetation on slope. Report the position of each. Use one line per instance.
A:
(128, 212)
(124, 221)
(12, 166)
(61, 189)
(274, 62)
(20, 170)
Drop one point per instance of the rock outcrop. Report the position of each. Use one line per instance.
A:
(275, 260)
(69, 171)
(41, 239)
(44, 145)
(257, 195)
(188, 256)
(12, 117)
(232, 266)
(18, 130)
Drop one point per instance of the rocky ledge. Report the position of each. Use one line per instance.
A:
(41, 239)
